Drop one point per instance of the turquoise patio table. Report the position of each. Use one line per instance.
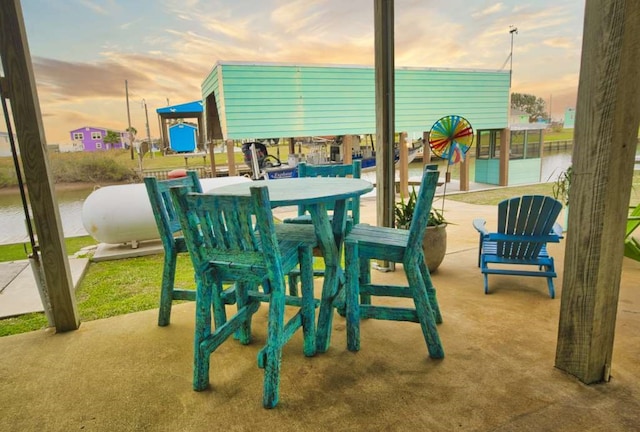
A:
(315, 193)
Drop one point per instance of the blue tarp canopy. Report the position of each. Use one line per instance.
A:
(185, 108)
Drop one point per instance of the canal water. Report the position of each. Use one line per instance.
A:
(12, 219)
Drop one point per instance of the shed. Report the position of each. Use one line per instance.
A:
(182, 137)
(175, 112)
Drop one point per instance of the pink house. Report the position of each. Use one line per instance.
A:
(92, 138)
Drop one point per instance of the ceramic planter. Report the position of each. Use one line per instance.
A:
(434, 246)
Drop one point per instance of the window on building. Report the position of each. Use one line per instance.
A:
(525, 144)
(78, 136)
(96, 135)
(98, 145)
(488, 144)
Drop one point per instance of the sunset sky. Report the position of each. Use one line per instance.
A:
(84, 50)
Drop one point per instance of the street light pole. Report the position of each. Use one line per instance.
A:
(512, 30)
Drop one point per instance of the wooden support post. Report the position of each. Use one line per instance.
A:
(606, 126)
(231, 158)
(20, 86)
(212, 158)
(292, 145)
(347, 149)
(403, 164)
(464, 173)
(426, 149)
(505, 143)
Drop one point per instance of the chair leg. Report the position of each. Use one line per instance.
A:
(308, 308)
(552, 291)
(431, 290)
(275, 330)
(365, 278)
(352, 294)
(166, 290)
(202, 332)
(293, 284)
(243, 334)
(424, 311)
(486, 283)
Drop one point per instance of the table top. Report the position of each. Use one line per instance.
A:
(308, 190)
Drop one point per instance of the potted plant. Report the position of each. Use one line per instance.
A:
(434, 244)
(560, 190)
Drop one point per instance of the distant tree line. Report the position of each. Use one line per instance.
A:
(532, 105)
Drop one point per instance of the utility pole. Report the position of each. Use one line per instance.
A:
(512, 30)
(126, 89)
(146, 115)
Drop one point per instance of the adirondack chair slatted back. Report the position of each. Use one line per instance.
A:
(525, 225)
(529, 215)
(163, 209)
(343, 170)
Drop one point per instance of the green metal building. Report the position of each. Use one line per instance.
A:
(277, 100)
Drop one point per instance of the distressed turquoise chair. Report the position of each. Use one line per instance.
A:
(335, 170)
(525, 225)
(365, 243)
(353, 170)
(172, 240)
(233, 238)
(631, 244)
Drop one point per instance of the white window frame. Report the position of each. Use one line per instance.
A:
(96, 135)
(99, 145)
(78, 136)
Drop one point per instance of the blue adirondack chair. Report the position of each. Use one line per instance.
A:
(353, 205)
(172, 240)
(631, 244)
(366, 242)
(525, 225)
(233, 238)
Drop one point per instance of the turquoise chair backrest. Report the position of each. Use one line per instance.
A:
(162, 205)
(334, 170)
(229, 229)
(424, 202)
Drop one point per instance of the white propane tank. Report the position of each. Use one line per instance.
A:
(122, 213)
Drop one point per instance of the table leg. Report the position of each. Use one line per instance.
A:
(330, 238)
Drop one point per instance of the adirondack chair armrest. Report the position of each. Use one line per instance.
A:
(557, 230)
(550, 238)
(479, 225)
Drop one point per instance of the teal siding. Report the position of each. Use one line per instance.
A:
(524, 171)
(271, 100)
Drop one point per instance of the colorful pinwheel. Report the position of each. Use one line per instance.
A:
(450, 138)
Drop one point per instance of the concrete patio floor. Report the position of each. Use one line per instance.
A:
(126, 374)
